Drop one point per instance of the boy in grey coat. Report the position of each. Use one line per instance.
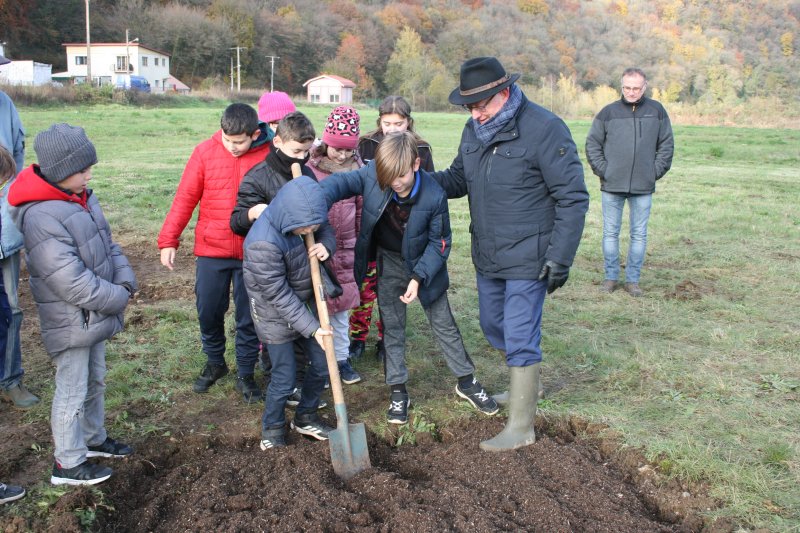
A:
(81, 282)
(277, 275)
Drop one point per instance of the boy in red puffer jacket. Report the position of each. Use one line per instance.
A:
(211, 178)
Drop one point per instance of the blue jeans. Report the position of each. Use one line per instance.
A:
(639, 207)
(284, 369)
(212, 289)
(77, 416)
(511, 317)
(11, 373)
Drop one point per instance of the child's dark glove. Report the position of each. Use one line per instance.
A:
(556, 275)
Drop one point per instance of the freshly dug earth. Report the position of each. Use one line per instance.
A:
(209, 474)
(201, 483)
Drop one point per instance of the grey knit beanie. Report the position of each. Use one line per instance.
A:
(63, 150)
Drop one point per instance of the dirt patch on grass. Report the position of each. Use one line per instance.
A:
(203, 470)
(689, 290)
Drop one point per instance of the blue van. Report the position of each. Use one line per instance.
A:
(133, 83)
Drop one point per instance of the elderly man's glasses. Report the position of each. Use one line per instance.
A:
(479, 108)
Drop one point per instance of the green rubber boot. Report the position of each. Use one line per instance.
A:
(502, 398)
(523, 395)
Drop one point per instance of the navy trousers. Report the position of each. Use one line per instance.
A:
(212, 290)
(511, 317)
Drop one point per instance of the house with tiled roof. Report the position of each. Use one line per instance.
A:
(329, 89)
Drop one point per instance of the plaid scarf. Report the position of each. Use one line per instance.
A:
(486, 132)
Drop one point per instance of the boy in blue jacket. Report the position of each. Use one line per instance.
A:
(277, 275)
(405, 217)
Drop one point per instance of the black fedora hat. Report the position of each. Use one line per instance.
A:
(481, 77)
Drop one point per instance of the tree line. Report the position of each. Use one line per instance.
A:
(694, 51)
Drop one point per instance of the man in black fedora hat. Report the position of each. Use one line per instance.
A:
(519, 166)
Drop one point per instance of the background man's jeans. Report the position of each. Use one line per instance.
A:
(639, 207)
(12, 366)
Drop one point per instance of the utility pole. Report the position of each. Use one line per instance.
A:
(88, 48)
(231, 73)
(238, 67)
(272, 70)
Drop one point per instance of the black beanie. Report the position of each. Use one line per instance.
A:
(63, 150)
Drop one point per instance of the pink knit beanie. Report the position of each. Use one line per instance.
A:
(341, 130)
(272, 107)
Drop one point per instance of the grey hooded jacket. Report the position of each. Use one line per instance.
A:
(630, 145)
(77, 272)
(277, 273)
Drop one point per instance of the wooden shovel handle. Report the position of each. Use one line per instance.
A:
(322, 311)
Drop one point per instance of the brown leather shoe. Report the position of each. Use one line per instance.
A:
(633, 289)
(608, 285)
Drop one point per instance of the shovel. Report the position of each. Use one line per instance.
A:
(349, 452)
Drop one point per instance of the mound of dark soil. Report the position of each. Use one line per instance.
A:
(226, 483)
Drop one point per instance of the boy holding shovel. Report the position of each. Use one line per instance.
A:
(277, 274)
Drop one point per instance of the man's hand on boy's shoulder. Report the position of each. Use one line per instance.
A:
(168, 257)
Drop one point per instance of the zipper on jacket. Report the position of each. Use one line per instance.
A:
(85, 318)
(633, 161)
(489, 166)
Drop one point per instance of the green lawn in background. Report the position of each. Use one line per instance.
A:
(703, 372)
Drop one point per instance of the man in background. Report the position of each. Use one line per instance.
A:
(629, 147)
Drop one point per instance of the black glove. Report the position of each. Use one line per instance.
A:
(556, 275)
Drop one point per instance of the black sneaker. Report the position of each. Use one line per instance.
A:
(356, 349)
(478, 397)
(10, 493)
(348, 375)
(273, 438)
(109, 448)
(294, 399)
(250, 390)
(398, 408)
(312, 425)
(85, 473)
(209, 376)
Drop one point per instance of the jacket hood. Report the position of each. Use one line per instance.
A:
(299, 203)
(30, 186)
(265, 135)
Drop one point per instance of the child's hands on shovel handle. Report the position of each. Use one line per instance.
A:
(320, 334)
(319, 251)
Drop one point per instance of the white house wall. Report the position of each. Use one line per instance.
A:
(104, 63)
(26, 73)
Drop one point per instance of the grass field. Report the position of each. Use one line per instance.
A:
(703, 373)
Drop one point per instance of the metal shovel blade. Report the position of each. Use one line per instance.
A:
(349, 452)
